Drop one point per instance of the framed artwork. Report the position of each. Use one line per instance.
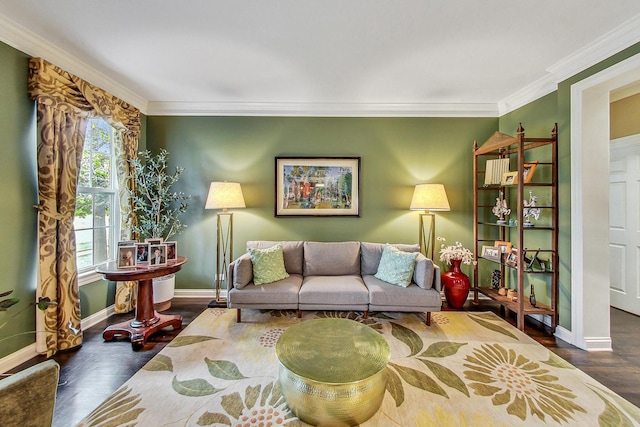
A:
(512, 257)
(317, 186)
(157, 255)
(172, 250)
(509, 178)
(126, 256)
(504, 247)
(142, 253)
(491, 253)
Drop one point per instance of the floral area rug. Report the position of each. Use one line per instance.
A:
(466, 369)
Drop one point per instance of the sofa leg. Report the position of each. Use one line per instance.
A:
(366, 314)
(299, 314)
(427, 319)
(238, 316)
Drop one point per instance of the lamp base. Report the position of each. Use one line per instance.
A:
(218, 304)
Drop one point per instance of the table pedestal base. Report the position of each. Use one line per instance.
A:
(139, 331)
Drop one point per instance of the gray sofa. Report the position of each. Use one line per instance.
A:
(333, 276)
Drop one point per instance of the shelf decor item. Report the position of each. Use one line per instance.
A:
(455, 283)
(501, 209)
(530, 210)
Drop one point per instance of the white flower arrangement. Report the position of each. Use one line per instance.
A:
(457, 251)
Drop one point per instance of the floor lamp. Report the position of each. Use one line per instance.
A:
(223, 195)
(430, 198)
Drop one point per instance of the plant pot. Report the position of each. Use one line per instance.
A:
(163, 291)
(456, 285)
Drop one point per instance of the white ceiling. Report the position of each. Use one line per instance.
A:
(323, 57)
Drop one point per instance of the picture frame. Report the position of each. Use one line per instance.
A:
(317, 186)
(509, 178)
(528, 169)
(505, 247)
(157, 255)
(126, 257)
(154, 241)
(142, 253)
(491, 253)
(512, 258)
(172, 250)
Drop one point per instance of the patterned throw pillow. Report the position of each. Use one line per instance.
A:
(396, 267)
(268, 265)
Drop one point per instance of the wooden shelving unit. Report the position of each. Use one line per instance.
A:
(487, 230)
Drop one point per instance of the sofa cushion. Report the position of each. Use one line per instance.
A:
(291, 250)
(331, 290)
(331, 259)
(283, 291)
(423, 272)
(370, 254)
(396, 266)
(242, 271)
(383, 294)
(268, 265)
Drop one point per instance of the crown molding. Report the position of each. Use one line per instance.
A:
(19, 37)
(602, 48)
(313, 109)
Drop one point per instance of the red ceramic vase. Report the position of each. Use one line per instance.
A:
(456, 285)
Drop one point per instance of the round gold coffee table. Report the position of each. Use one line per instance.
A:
(332, 371)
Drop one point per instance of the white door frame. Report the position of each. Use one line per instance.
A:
(590, 318)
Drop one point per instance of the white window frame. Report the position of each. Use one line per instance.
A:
(88, 274)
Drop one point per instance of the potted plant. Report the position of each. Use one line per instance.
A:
(158, 209)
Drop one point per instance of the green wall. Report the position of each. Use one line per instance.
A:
(19, 194)
(397, 154)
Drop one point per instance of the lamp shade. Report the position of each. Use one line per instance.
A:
(430, 197)
(225, 195)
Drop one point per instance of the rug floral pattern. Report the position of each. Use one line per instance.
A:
(466, 369)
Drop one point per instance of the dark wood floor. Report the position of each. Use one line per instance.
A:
(90, 374)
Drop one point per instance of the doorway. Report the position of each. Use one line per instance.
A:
(590, 300)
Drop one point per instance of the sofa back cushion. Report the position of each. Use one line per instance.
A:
(331, 258)
(370, 254)
(291, 250)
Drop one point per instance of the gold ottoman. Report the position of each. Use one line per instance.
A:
(332, 371)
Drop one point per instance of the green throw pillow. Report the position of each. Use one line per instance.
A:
(396, 266)
(268, 265)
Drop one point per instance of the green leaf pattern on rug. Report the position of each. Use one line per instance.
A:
(419, 379)
(481, 319)
(180, 341)
(442, 349)
(446, 376)
(523, 385)
(193, 388)
(224, 369)
(159, 363)
(407, 336)
(612, 416)
(394, 386)
(558, 362)
(117, 410)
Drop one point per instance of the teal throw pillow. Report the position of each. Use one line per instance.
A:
(268, 265)
(396, 267)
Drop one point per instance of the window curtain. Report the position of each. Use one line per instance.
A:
(64, 102)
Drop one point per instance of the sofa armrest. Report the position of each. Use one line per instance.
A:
(436, 278)
(240, 272)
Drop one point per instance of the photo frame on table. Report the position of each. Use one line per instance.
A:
(317, 186)
(126, 257)
(509, 178)
(154, 241)
(491, 253)
(157, 255)
(142, 253)
(172, 250)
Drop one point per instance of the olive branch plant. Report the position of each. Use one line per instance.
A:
(156, 205)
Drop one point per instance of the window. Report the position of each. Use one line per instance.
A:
(97, 219)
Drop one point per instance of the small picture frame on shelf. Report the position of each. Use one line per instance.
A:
(172, 250)
(142, 253)
(491, 253)
(527, 173)
(509, 178)
(505, 247)
(126, 256)
(157, 255)
(512, 258)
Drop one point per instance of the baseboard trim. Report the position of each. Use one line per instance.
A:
(97, 317)
(18, 358)
(198, 293)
